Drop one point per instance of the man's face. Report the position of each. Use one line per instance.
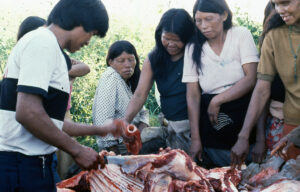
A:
(78, 38)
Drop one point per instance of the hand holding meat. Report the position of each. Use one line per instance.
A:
(87, 158)
(130, 134)
(258, 152)
(239, 152)
(281, 148)
(196, 149)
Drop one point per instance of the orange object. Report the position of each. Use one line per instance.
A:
(293, 151)
(135, 145)
(131, 131)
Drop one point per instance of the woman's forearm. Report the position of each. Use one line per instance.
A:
(134, 106)
(242, 87)
(261, 124)
(258, 101)
(193, 102)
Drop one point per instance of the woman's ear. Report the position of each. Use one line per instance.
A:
(225, 15)
(110, 63)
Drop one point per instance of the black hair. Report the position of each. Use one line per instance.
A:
(29, 24)
(116, 49)
(272, 20)
(90, 14)
(177, 21)
(210, 6)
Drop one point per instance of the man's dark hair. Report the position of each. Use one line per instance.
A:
(176, 21)
(210, 6)
(29, 24)
(90, 14)
(116, 49)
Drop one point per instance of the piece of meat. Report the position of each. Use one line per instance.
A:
(79, 182)
(283, 186)
(170, 170)
(264, 174)
(133, 146)
(224, 179)
(190, 186)
(109, 179)
(130, 131)
(157, 182)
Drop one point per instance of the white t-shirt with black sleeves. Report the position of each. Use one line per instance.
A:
(219, 73)
(36, 65)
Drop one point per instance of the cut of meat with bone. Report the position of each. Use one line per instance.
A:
(224, 179)
(170, 171)
(109, 179)
(157, 182)
(77, 183)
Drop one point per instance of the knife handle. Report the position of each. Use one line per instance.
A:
(105, 159)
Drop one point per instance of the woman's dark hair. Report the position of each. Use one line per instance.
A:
(90, 14)
(29, 24)
(271, 21)
(116, 49)
(177, 21)
(210, 6)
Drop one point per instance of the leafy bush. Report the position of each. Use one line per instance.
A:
(242, 19)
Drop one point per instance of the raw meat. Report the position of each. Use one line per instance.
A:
(284, 186)
(170, 170)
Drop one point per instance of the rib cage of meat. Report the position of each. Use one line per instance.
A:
(170, 170)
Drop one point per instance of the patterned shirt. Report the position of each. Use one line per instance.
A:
(110, 102)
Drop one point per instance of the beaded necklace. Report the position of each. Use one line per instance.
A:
(295, 54)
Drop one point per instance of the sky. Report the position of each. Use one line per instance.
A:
(12, 12)
(253, 7)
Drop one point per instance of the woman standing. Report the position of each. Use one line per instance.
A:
(164, 65)
(219, 69)
(279, 55)
(116, 86)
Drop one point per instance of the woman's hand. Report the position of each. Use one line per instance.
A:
(213, 110)
(282, 147)
(239, 152)
(196, 149)
(258, 152)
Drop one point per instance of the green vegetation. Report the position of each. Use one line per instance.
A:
(94, 55)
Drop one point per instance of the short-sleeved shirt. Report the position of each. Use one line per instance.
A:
(110, 102)
(37, 66)
(276, 57)
(172, 91)
(219, 73)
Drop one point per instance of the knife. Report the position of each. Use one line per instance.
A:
(129, 163)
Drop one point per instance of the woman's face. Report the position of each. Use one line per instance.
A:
(210, 24)
(124, 64)
(289, 10)
(172, 43)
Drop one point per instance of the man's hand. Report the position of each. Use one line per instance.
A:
(87, 158)
(282, 147)
(120, 129)
(196, 149)
(258, 152)
(239, 152)
(213, 110)
(102, 154)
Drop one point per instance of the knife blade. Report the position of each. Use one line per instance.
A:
(130, 163)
